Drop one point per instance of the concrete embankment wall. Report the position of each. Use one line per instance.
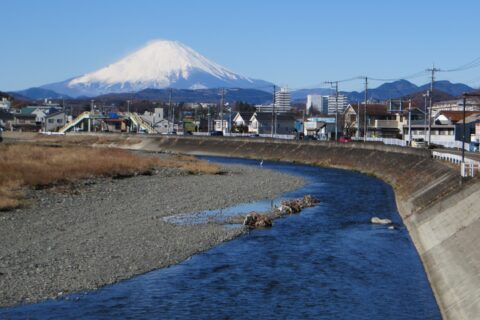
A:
(440, 210)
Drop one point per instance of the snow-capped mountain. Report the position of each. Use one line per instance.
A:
(160, 64)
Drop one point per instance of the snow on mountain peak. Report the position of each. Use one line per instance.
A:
(159, 64)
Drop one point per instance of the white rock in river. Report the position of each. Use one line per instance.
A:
(376, 220)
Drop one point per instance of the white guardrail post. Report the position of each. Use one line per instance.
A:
(467, 169)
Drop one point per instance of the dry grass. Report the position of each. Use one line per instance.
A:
(40, 166)
(87, 140)
(191, 165)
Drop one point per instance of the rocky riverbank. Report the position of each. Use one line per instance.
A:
(104, 230)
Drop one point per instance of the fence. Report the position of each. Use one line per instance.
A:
(388, 141)
(403, 143)
(266, 135)
(467, 169)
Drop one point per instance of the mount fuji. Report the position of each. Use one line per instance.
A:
(160, 64)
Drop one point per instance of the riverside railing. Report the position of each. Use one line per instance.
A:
(388, 141)
(469, 168)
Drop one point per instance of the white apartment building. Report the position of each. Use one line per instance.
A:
(317, 102)
(282, 100)
(332, 104)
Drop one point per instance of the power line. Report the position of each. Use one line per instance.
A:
(411, 76)
(470, 65)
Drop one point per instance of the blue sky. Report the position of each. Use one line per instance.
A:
(297, 43)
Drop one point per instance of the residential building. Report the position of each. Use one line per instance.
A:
(261, 123)
(42, 113)
(333, 106)
(411, 118)
(5, 104)
(316, 102)
(451, 117)
(262, 108)
(53, 121)
(157, 120)
(471, 121)
(25, 122)
(379, 121)
(446, 128)
(473, 104)
(440, 134)
(222, 125)
(320, 127)
(6, 119)
(240, 121)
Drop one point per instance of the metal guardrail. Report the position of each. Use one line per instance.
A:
(387, 141)
(468, 168)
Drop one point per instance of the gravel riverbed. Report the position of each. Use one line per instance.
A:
(106, 230)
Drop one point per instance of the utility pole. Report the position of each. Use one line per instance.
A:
(365, 111)
(336, 106)
(425, 114)
(464, 126)
(209, 121)
(170, 109)
(128, 106)
(432, 70)
(357, 134)
(409, 122)
(221, 109)
(273, 109)
(90, 118)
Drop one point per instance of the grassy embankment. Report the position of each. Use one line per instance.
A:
(30, 166)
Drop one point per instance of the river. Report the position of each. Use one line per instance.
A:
(328, 262)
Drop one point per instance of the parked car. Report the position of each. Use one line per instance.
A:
(418, 143)
(310, 138)
(345, 139)
(216, 133)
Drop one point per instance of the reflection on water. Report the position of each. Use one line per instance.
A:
(328, 262)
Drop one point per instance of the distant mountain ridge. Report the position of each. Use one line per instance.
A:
(160, 64)
(200, 95)
(390, 90)
(39, 93)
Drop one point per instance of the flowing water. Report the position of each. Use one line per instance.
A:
(328, 262)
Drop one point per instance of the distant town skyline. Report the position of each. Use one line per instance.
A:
(297, 44)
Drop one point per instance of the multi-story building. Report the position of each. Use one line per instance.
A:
(317, 102)
(282, 100)
(282, 103)
(339, 107)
